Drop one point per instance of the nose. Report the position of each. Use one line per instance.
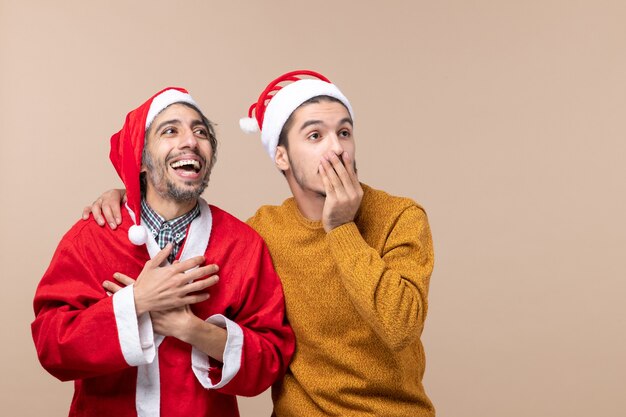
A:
(188, 140)
(335, 144)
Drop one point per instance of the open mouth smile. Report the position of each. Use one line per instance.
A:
(187, 167)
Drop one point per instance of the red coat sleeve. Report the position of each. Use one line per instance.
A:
(269, 342)
(74, 330)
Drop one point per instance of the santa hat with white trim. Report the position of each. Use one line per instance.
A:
(127, 148)
(281, 98)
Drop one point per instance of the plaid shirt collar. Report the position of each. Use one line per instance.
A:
(164, 231)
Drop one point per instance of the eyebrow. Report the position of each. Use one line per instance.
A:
(199, 122)
(166, 122)
(315, 122)
(178, 122)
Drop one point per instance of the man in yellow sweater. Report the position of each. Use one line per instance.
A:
(355, 262)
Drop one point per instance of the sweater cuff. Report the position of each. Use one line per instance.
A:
(346, 239)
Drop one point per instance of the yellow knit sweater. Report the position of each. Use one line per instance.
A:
(356, 299)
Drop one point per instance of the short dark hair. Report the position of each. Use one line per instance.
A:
(212, 140)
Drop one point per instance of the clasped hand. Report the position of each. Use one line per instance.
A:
(159, 288)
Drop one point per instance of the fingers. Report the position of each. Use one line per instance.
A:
(202, 284)
(197, 274)
(348, 163)
(331, 174)
(109, 217)
(160, 257)
(96, 211)
(339, 167)
(196, 298)
(111, 287)
(86, 212)
(191, 263)
(328, 188)
(195, 281)
(107, 208)
(111, 206)
(342, 174)
(124, 279)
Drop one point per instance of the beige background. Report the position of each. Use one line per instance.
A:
(505, 119)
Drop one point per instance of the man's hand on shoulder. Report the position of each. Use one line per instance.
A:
(107, 208)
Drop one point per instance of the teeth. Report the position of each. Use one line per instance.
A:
(184, 162)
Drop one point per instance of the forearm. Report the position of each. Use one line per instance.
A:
(260, 342)
(389, 291)
(74, 344)
(206, 337)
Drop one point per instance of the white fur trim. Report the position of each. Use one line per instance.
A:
(163, 100)
(232, 354)
(131, 213)
(148, 391)
(136, 337)
(249, 124)
(138, 235)
(199, 233)
(286, 100)
(197, 239)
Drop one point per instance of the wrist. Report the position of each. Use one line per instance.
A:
(140, 305)
(346, 239)
(329, 227)
(190, 327)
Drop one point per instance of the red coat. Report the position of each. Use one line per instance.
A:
(82, 334)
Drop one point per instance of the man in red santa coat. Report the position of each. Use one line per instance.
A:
(159, 346)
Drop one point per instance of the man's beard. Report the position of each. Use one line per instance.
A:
(156, 175)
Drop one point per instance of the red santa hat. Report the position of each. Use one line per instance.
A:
(127, 148)
(280, 98)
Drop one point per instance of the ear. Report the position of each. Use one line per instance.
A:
(282, 158)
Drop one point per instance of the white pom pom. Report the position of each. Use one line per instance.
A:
(137, 235)
(248, 125)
